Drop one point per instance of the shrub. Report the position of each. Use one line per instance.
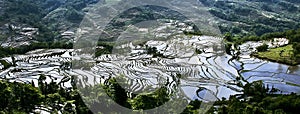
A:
(262, 48)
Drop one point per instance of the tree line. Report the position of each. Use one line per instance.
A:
(292, 35)
(25, 98)
(7, 51)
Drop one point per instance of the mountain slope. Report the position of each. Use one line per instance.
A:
(254, 17)
(51, 17)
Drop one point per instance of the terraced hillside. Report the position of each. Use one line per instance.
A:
(210, 71)
(254, 16)
(147, 47)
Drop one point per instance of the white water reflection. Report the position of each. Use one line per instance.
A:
(206, 71)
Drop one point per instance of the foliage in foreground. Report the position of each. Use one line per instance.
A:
(18, 98)
(258, 99)
(26, 98)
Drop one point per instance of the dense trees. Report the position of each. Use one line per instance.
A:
(262, 48)
(5, 64)
(245, 18)
(296, 47)
(228, 36)
(197, 33)
(153, 51)
(259, 99)
(106, 48)
(34, 13)
(35, 45)
(291, 53)
(18, 97)
(122, 97)
(292, 35)
(228, 48)
(296, 50)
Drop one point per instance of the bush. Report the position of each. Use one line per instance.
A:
(5, 64)
(296, 48)
(262, 48)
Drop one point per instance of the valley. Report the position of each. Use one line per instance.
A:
(99, 56)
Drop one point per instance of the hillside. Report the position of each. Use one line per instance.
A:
(59, 19)
(150, 56)
(254, 17)
(26, 21)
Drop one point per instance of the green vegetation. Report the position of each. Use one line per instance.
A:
(249, 24)
(287, 54)
(189, 33)
(296, 49)
(245, 17)
(153, 51)
(228, 48)
(4, 52)
(28, 12)
(282, 55)
(25, 98)
(35, 13)
(198, 51)
(5, 64)
(228, 36)
(292, 35)
(262, 48)
(138, 102)
(107, 48)
(18, 97)
(258, 99)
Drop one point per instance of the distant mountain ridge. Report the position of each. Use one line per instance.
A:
(240, 17)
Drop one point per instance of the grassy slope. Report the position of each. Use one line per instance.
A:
(285, 57)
